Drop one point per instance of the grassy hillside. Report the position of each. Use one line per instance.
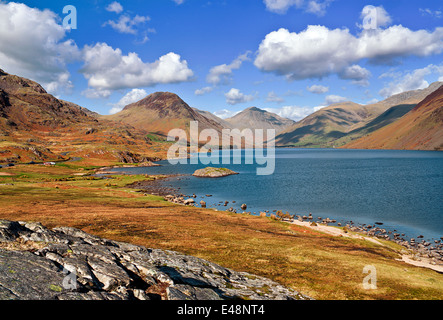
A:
(419, 129)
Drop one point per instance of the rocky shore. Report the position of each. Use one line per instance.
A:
(429, 253)
(65, 263)
(421, 252)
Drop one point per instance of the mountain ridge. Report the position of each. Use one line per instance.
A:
(335, 125)
(419, 129)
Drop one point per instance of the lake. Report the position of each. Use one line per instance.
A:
(402, 189)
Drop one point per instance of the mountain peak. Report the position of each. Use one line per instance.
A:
(257, 118)
(158, 101)
(254, 109)
(11, 82)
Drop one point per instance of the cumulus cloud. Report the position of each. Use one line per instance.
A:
(318, 89)
(127, 24)
(114, 7)
(132, 96)
(333, 99)
(222, 73)
(295, 113)
(33, 45)
(357, 74)
(234, 96)
(312, 6)
(317, 51)
(374, 17)
(107, 68)
(413, 80)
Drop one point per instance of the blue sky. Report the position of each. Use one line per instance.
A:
(287, 56)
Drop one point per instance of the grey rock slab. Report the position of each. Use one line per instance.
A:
(24, 275)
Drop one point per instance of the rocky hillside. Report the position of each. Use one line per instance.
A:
(419, 129)
(36, 126)
(65, 263)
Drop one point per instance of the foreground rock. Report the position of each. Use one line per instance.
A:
(67, 263)
(211, 172)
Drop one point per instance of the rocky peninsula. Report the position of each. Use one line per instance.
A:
(37, 263)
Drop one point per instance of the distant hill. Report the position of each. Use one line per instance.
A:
(213, 117)
(323, 126)
(255, 118)
(419, 129)
(161, 112)
(336, 125)
(36, 126)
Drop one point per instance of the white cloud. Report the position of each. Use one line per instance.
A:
(318, 7)
(374, 17)
(413, 80)
(126, 24)
(114, 7)
(281, 6)
(273, 97)
(33, 45)
(317, 51)
(357, 74)
(178, 1)
(221, 73)
(333, 99)
(234, 96)
(109, 69)
(225, 113)
(132, 96)
(312, 6)
(295, 113)
(96, 93)
(202, 91)
(318, 89)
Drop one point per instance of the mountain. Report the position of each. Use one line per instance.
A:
(225, 124)
(36, 126)
(255, 118)
(340, 123)
(323, 126)
(419, 129)
(161, 112)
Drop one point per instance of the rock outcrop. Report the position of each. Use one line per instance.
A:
(211, 172)
(68, 264)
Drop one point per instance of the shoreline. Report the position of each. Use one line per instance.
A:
(420, 254)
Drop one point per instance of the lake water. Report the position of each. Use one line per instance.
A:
(402, 189)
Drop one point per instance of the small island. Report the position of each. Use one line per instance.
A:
(211, 172)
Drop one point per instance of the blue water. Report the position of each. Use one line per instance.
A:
(402, 189)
